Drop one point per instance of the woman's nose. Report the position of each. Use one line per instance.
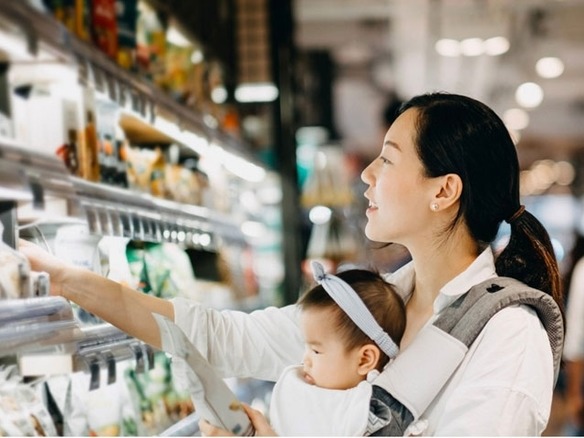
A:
(366, 174)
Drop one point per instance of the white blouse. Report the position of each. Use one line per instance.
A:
(504, 385)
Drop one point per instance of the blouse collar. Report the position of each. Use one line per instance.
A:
(481, 269)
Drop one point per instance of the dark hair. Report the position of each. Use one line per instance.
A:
(379, 296)
(460, 135)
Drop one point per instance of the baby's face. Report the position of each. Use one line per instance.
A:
(327, 363)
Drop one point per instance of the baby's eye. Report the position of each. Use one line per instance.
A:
(315, 351)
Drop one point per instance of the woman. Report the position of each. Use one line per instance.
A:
(446, 177)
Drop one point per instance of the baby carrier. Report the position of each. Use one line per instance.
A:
(404, 390)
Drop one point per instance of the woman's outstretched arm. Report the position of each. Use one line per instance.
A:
(121, 306)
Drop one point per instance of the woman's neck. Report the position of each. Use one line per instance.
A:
(434, 267)
(437, 265)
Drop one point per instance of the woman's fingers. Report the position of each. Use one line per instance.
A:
(259, 421)
(41, 260)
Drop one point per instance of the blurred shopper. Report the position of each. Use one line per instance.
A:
(446, 177)
(574, 345)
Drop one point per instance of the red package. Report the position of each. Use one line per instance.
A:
(104, 26)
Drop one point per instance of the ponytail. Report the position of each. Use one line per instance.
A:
(529, 257)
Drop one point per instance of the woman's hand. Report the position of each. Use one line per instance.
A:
(40, 260)
(259, 421)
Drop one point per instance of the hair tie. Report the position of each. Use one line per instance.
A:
(348, 300)
(516, 215)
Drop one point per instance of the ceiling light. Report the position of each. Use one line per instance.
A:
(472, 47)
(320, 214)
(219, 94)
(197, 56)
(259, 92)
(529, 95)
(516, 119)
(549, 67)
(496, 46)
(448, 47)
(176, 37)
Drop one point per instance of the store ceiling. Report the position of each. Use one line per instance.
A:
(380, 46)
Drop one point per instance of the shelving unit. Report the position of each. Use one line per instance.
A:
(36, 179)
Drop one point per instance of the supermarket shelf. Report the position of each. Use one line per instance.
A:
(47, 339)
(119, 212)
(30, 175)
(35, 323)
(27, 175)
(134, 94)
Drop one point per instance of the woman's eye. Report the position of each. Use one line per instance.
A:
(384, 160)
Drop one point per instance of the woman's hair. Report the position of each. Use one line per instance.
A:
(460, 135)
(379, 297)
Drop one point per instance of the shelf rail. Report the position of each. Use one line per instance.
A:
(47, 339)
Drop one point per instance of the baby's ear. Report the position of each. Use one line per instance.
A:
(368, 358)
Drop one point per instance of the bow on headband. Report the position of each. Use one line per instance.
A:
(348, 300)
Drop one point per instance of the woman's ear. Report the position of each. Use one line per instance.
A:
(368, 358)
(449, 190)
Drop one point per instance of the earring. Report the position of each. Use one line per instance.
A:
(434, 206)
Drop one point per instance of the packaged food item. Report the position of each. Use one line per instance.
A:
(154, 395)
(82, 19)
(127, 17)
(182, 184)
(150, 43)
(63, 11)
(22, 411)
(104, 410)
(88, 152)
(107, 128)
(145, 170)
(104, 26)
(14, 272)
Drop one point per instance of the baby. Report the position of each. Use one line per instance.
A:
(352, 325)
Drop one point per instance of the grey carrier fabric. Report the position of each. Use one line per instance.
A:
(404, 390)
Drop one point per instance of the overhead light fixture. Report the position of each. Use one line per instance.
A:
(256, 92)
(219, 94)
(176, 37)
(549, 67)
(197, 56)
(320, 214)
(529, 95)
(516, 119)
(496, 46)
(237, 165)
(448, 47)
(472, 47)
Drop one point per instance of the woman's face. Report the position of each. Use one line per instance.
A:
(399, 194)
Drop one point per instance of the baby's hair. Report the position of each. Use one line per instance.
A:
(379, 296)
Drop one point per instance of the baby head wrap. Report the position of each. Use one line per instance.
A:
(348, 300)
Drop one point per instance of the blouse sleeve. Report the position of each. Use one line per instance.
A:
(259, 344)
